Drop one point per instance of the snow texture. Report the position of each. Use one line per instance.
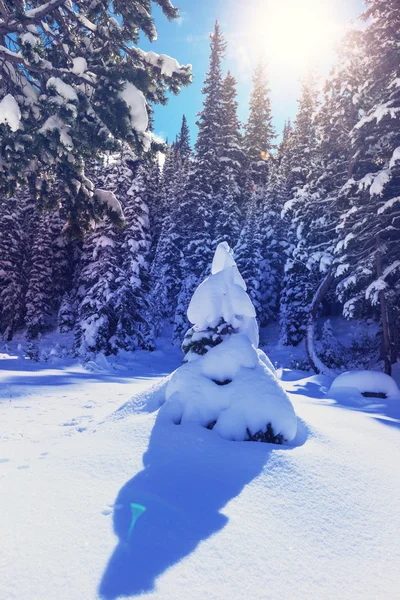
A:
(63, 89)
(54, 123)
(109, 198)
(169, 66)
(318, 520)
(365, 381)
(79, 65)
(136, 102)
(252, 399)
(10, 112)
(223, 294)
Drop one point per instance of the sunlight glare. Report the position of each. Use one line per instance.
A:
(296, 34)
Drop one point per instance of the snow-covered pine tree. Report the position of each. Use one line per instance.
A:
(183, 142)
(204, 183)
(159, 201)
(166, 269)
(227, 216)
(257, 233)
(74, 86)
(317, 215)
(226, 384)
(100, 273)
(66, 314)
(259, 130)
(12, 240)
(98, 284)
(132, 307)
(297, 287)
(209, 140)
(273, 244)
(40, 300)
(248, 253)
(304, 135)
(369, 228)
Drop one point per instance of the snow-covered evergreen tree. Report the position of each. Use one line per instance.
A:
(297, 287)
(12, 242)
(73, 87)
(259, 130)
(166, 269)
(100, 274)
(183, 142)
(369, 227)
(66, 314)
(226, 383)
(227, 214)
(100, 269)
(133, 330)
(203, 184)
(40, 300)
(248, 253)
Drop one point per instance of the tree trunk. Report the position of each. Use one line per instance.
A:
(316, 364)
(384, 313)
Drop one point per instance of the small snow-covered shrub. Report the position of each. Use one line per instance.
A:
(227, 384)
(299, 364)
(32, 351)
(367, 383)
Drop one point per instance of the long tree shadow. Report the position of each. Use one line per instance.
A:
(166, 510)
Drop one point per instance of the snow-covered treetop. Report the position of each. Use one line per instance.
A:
(73, 85)
(222, 297)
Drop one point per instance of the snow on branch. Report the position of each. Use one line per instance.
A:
(110, 200)
(10, 112)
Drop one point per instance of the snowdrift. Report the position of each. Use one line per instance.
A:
(233, 390)
(365, 382)
(226, 383)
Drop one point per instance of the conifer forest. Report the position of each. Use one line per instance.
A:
(164, 300)
(313, 220)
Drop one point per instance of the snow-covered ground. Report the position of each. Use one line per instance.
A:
(315, 520)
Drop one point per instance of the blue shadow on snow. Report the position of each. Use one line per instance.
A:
(190, 474)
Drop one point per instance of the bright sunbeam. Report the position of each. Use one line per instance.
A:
(294, 34)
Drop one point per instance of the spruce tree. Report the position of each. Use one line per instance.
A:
(12, 242)
(248, 255)
(40, 300)
(133, 329)
(100, 269)
(203, 183)
(259, 130)
(227, 214)
(73, 87)
(183, 142)
(297, 288)
(369, 227)
(166, 269)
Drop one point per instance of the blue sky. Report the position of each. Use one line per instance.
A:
(292, 35)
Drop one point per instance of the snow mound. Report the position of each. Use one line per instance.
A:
(223, 295)
(79, 65)
(99, 365)
(232, 389)
(364, 382)
(136, 102)
(9, 112)
(148, 400)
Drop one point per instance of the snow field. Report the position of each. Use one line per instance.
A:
(222, 519)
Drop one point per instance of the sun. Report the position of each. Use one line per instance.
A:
(294, 34)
